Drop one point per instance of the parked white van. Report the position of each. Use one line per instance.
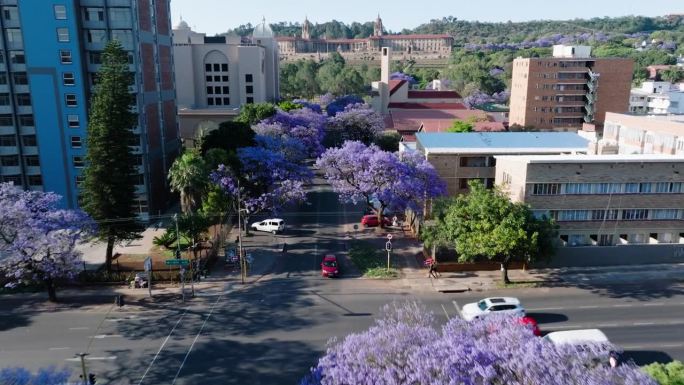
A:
(274, 225)
(577, 337)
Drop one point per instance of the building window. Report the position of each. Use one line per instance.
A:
(124, 36)
(93, 14)
(249, 78)
(604, 215)
(217, 78)
(26, 121)
(665, 214)
(76, 142)
(17, 57)
(8, 141)
(32, 161)
(65, 56)
(35, 180)
(6, 120)
(23, 99)
(249, 89)
(71, 100)
(80, 179)
(139, 179)
(95, 57)
(60, 12)
(20, 78)
(218, 101)
(14, 179)
(29, 141)
(250, 100)
(645, 188)
(63, 35)
(546, 189)
(96, 36)
(210, 90)
(226, 101)
(73, 121)
(3, 78)
(119, 15)
(226, 90)
(473, 161)
(210, 101)
(68, 79)
(9, 161)
(631, 188)
(217, 67)
(207, 67)
(14, 38)
(224, 67)
(4, 100)
(634, 214)
(78, 162)
(208, 78)
(11, 13)
(224, 78)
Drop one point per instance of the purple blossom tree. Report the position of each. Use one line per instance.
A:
(307, 104)
(358, 122)
(404, 347)
(360, 173)
(305, 125)
(402, 76)
(339, 104)
(46, 376)
(37, 240)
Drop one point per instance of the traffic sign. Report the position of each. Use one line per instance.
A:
(148, 264)
(389, 237)
(177, 262)
(388, 246)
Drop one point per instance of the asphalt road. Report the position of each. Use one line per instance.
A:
(273, 331)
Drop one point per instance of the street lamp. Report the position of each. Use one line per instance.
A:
(83, 366)
(178, 237)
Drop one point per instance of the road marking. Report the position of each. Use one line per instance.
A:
(162, 346)
(588, 307)
(64, 348)
(607, 325)
(672, 345)
(77, 359)
(458, 309)
(445, 312)
(624, 305)
(103, 336)
(196, 338)
(80, 328)
(643, 323)
(654, 304)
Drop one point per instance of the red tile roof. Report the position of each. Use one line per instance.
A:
(408, 122)
(426, 94)
(395, 85)
(428, 106)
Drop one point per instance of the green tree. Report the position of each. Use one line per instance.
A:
(110, 173)
(193, 226)
(460, 126)
(288, 106)
(188, 176)
(485, 224)
(255, 112)
(672, 75)
(388, 141)
(671, 373)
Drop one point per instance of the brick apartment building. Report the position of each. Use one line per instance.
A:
(569, 89)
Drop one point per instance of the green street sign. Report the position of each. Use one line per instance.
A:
(177, 262)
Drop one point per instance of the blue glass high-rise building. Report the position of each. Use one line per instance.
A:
(50, 51)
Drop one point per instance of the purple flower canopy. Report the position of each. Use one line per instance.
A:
(405, 347)
(403, 76)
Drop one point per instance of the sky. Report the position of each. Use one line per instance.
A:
(217, 16)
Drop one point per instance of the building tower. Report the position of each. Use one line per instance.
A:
(306, 33)
(377, 28)
(44, 116)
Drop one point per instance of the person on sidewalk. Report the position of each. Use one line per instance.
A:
(433, 270)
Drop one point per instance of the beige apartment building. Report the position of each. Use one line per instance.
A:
(461, 157)
(602, 200)
(569, 89)
(634, 134)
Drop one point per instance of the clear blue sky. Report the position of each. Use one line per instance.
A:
(215, 16)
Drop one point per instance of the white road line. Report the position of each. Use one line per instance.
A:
(195, 340)
(643, 323)
(588, 307)
(624, 305)
(77, 359)
(61, 348)
(103, 336)
(80, 328)
(445, 312)
(654, 304)
(672, 345)
(607, 325)
(162, 346)
(458, 310)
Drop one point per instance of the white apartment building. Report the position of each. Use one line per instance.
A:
(657, 97)
(215, 75)
(632, 134)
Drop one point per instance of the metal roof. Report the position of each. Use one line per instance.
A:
(502, 142)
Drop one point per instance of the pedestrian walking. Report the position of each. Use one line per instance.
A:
(395, 221)
(433, 270)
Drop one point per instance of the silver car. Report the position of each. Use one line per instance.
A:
(486, 306)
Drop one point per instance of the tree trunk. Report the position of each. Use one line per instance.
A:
(52, 291)
(504, 273)
(380, 222)
(110, 254)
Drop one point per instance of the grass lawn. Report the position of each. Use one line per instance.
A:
(519, 284)
(371, 261)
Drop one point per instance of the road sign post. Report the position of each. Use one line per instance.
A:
(182, 274)
(388, 247)
(148, 270)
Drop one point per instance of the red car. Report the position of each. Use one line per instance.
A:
(372, 221)
(329, 266)
(531, 323)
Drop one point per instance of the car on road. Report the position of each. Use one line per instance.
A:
(273, 225)
(503, 305)
(577, 337)
(532, 323)
(330, 267)
(372, 221)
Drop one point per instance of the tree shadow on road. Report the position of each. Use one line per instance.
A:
(643, 290)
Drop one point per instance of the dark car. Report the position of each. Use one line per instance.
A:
(329, 266)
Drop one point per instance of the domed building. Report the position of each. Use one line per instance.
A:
(216, 75)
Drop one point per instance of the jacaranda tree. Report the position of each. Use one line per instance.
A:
(357, 122)
(45, 376)
(305, 125)
(405, 347)
(360, 173)
(38, 240)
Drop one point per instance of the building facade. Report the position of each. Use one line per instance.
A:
(461, 157)
(656, 97)
(569, 89)
(217, 75)
(51, 52)
(291, 46)
(631, 134)
(601, 200)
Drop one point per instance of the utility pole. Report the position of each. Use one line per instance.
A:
(83, 367)
(240, 253)
(178, 236)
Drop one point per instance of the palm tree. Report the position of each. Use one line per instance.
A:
(188, 176)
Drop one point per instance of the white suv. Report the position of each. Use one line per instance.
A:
(505, 305)
(274, 225)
